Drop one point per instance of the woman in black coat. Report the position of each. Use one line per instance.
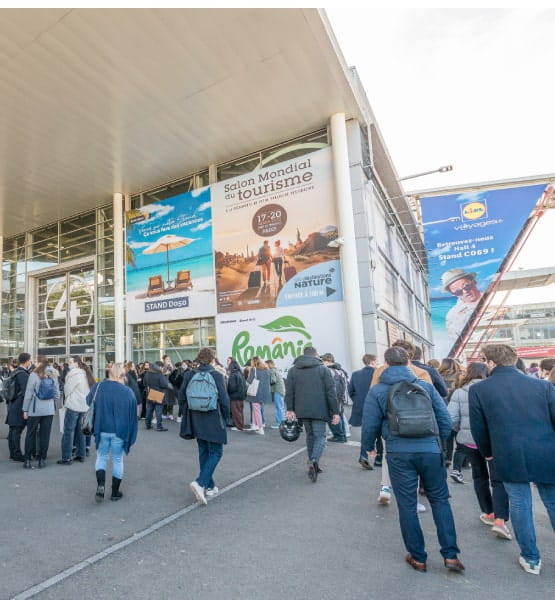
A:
(207, 427)
(237, 390)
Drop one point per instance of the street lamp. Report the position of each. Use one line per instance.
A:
(444, 169)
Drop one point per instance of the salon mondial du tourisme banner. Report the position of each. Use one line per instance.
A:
(467, 237)
(253, 250)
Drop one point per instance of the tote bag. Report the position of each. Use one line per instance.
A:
(252, 388)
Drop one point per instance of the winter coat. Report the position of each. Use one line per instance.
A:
(310, 390)
(279, 384)
(156, 380)
(358, 388)
(374, 416)
(458, 409)
(133, 385)
(115, 412)
(236, 385)
(207, 426)
(76, 389)
(264, 393)
(14, 417)
(512, 418)
(40, 408)
(437, 380)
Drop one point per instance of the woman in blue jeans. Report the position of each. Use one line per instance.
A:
(207, 427)
(115, 427)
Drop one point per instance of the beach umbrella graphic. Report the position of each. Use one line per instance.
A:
(165, 244)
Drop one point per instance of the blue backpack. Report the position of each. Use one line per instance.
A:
(47, 389)
(202, 393)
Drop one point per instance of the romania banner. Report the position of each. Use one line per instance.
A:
(467, 237)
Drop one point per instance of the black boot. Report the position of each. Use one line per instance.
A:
(116, 494)
(27, 464)
(100, 483)
(42, 463)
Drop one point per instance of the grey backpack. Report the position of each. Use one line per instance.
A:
(410, 412)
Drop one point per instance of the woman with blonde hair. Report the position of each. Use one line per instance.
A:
(259, 371)
(115, 427)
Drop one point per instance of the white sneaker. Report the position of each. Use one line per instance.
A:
(198, 491)
(385, 495)
(211, 492)
(530, 566)
(501, 530)
(170, 417)
(420, 507)
(179, 419)
(260, 431)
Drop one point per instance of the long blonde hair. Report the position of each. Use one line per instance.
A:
(117, 371)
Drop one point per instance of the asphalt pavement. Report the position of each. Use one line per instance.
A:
(271, 534)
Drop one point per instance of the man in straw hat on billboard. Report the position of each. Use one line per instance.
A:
(463, 285)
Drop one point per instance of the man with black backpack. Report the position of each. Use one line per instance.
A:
(412, 417)
(14, 392)
(341, 382)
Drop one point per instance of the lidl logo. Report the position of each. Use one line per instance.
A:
(474, 210)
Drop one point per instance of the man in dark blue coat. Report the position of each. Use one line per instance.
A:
(512, 419)
(437, 379)
(409, 458)
(14, 417)
(358, 388)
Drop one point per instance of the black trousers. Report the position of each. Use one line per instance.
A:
(43, 426)
(14, 441)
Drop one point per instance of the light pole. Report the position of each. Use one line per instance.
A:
(444, 169)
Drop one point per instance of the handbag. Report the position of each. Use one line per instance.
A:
(155, 396)
(87, 419)
(252, 388)
(62, 417)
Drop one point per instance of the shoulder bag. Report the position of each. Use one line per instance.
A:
(87, 419)
(252, 388)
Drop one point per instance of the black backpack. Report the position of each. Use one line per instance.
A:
(8, 389)
(410, 412)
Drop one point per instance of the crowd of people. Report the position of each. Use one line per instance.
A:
(418, 419)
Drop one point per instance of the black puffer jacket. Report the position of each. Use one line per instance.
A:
(236, 385)
(310, 390)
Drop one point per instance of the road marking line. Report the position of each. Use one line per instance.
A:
(91, 560)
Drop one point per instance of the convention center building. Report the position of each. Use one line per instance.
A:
(180, 178)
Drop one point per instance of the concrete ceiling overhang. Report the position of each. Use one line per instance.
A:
(97, 101)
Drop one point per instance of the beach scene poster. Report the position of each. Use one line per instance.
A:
(170, 262)
(274, 232)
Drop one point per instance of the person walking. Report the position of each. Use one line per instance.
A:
(78, 382)
(237, 391)
(494, 502)
(412, 453)
(115, 427)
(14, 418)
(310, 395)
(207, 427)
(358, 388)
(277, 387)
(259, 370)
(39, 408)
(512, 420)
(155, 381)
(339, 431)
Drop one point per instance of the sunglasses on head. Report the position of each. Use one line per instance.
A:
(465, 288)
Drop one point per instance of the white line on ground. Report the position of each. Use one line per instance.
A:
(51, 581)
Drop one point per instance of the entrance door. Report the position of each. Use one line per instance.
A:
(66, 315)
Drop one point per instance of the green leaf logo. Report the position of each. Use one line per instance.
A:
(285, 324)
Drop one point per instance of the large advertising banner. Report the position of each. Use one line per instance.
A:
(170, 264)
(281, 334)
(467, 237)
(272, 234)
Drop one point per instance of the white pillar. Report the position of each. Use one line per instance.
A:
(119, 278)
(351, 287)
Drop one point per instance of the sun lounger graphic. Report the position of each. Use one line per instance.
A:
(155, 286)
(183, 280)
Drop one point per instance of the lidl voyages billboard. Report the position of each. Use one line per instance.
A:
(467, 237)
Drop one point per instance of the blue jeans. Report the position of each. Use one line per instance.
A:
(404, 470)
(339, 429)
(209, 455)
(109, 441)
(315, 438)
(520, 503)
(279, 408)
(150, 408)
(72, 435)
